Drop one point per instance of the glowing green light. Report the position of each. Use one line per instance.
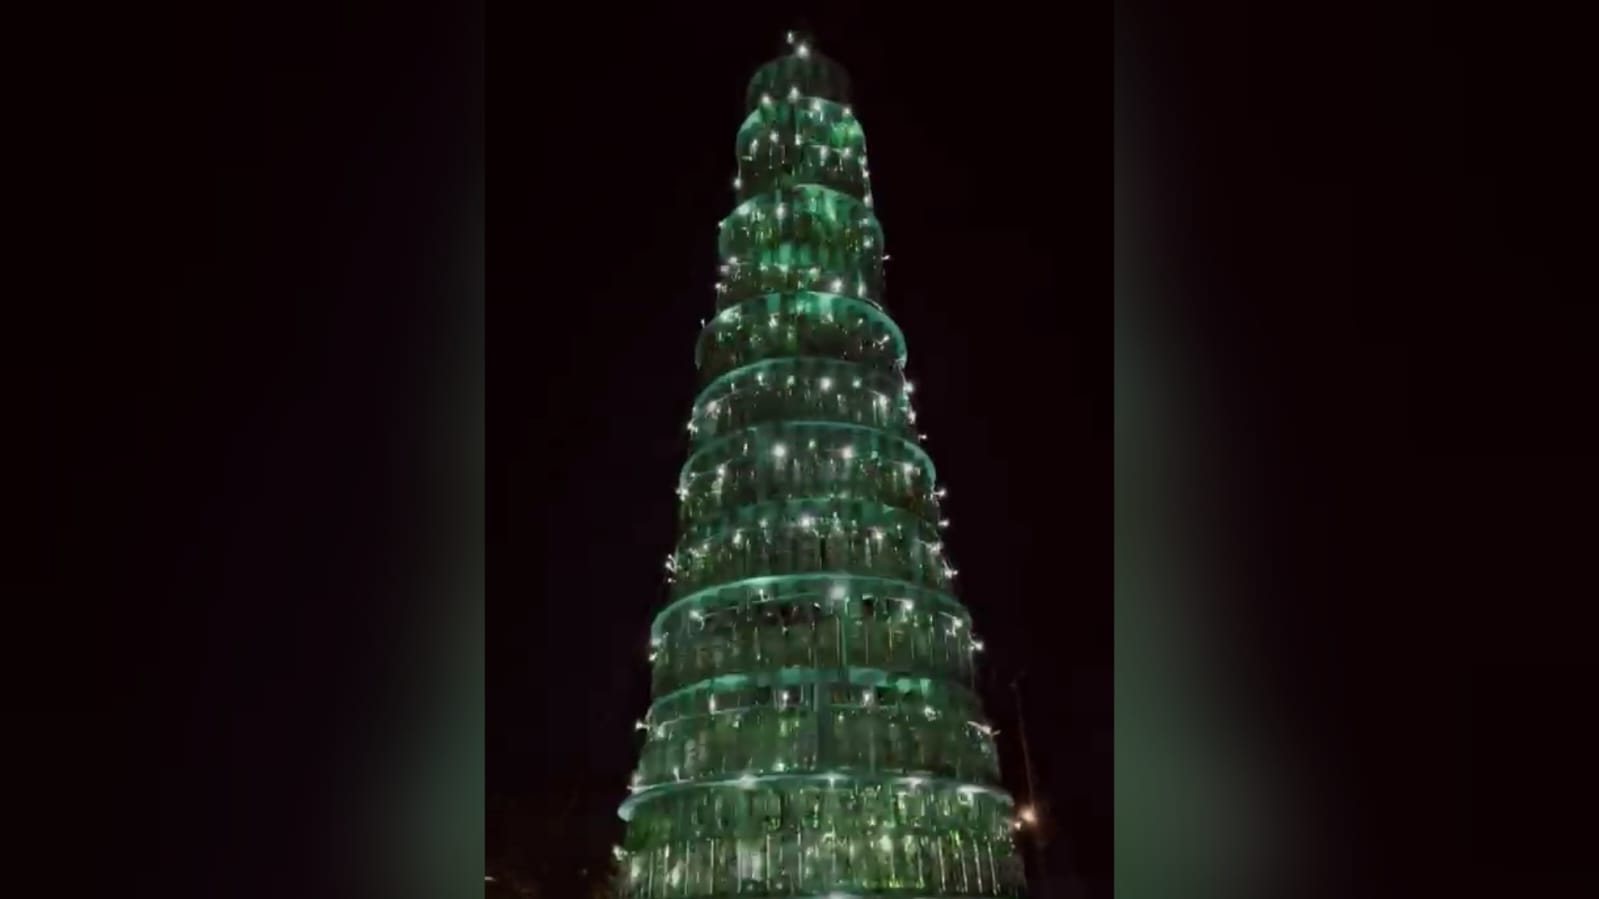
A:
(811, 643)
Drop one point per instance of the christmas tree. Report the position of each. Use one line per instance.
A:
(814, 729)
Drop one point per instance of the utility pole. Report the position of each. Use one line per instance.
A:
(1031, 820)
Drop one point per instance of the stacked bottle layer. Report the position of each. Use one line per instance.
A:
(814, 727)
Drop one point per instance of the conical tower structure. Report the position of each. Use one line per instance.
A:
(814, 730)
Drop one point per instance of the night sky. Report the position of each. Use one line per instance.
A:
(1363, 241)
(981, 180)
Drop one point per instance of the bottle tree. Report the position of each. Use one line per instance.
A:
(814, 728)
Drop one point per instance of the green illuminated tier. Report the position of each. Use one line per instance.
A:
(814, 729)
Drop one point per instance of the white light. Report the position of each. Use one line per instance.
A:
(837, 592)
(766, 99)
(940, 492)
(640, 725)
(857, 382)
(803, 50)
(738, 183)
(838, 285)
(738, 537)
(930, 712)
(782, 210)
(913, 782)
(909, 387)
(877, 533)
(977, 646)
(806, 521)
(909, 468)
(867, 241)
(747, 781)
(943, 522)
(772, 137)
(847, 452)
(848, 111)
(826, 384)
(791, 37)
(779, 450)
(732, 260)
(816, 106)
(793, 93)
(1028, 815)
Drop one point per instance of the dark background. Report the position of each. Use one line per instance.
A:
(610, 176)
(239, 236)
(1373, 220)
